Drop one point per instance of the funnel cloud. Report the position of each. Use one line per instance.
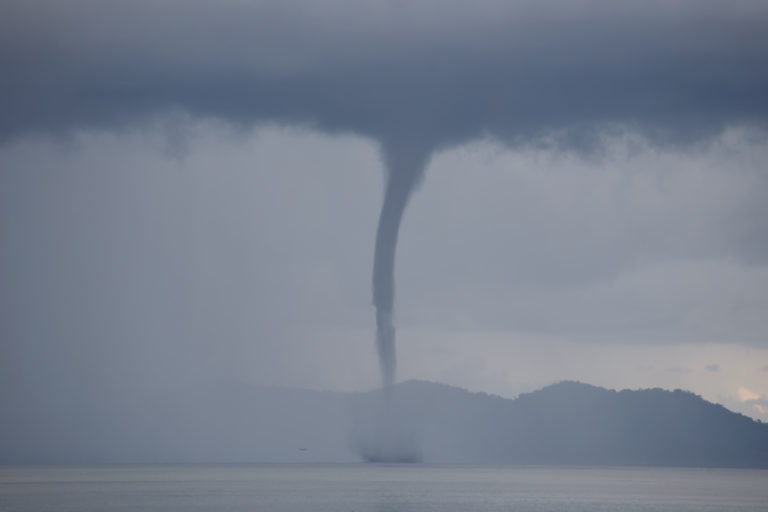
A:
(405, 162)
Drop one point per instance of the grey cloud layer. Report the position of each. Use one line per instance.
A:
(442, 71)
(411, 74)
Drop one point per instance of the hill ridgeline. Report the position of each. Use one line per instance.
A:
(222, 421)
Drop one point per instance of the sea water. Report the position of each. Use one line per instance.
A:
(378, 488)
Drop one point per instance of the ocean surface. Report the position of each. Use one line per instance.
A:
(379, 488)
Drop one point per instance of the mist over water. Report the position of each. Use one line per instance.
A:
(384, 430)
(382, 438)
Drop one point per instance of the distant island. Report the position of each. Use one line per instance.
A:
(569, 423)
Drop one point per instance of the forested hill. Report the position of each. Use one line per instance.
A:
(222, 421)
(578, 424)
(647, 427)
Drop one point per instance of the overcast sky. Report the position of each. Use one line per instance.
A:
(191, 189)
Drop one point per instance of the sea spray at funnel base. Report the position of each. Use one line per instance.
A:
(404, 163)
(384, 427)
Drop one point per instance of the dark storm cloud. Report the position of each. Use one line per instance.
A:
(441, 71)
(415, 76)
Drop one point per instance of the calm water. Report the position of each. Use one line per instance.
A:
(379, 488)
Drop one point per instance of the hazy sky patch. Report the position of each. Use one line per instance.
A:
(126, 266)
